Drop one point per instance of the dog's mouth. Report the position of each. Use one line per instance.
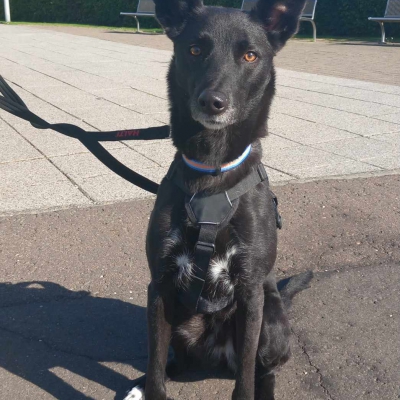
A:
(214, 122)
(211, 124)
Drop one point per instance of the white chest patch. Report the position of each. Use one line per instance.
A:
(219, 268)
(218, 272)
(185, 268)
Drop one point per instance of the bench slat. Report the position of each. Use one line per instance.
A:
(384, 19)
(137, 14)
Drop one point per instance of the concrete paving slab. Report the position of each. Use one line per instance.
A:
(85, 165)
(300, 158)
(273, 143)
(135, 100)
(67, 98)
(368, 109)
(25, 198)
(110, 188)
(278, 176)
(162, 155)
(351, 83)
(34, 184)
(390, 118)
(389, 137)
(88, 82)
(361, 149)
(28, 78)
(354, 123)
(302, 131)
(112, 117)
(150, 86)
(385, 162)
(29, 172)
(161, 117)
(14, 146)
(339, 169)
(355, 93)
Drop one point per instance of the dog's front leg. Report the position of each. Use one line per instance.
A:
(248, 326)
(159, 335)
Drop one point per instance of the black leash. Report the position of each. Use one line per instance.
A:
(209, 213)
(13, 104)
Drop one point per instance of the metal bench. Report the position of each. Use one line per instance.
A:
(308, 12)
(145, 8)
(392, 14)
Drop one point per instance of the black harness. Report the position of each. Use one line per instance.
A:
(209, 213)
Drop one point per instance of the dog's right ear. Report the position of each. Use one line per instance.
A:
(173, 14)
(280, 19)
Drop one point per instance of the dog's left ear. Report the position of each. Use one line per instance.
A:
(280, 19)
(173, 14)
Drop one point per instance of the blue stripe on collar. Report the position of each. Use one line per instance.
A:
(208, 169)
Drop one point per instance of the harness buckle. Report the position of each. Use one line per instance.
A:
(206, 246)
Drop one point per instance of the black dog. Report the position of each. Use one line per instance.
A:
(212, 240)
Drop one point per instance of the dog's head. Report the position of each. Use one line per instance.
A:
(222, 66)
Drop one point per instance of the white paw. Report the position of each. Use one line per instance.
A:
(136, 393)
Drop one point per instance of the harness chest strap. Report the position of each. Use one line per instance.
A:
(209, 213)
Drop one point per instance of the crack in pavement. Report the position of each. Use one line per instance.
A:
(317, 370)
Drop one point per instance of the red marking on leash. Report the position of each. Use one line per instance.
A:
(123, 134)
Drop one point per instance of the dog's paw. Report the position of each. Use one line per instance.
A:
(137, 393)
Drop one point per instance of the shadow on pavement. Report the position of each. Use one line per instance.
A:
(47, 329)
(44, 326)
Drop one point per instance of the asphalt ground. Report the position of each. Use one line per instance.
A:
(73, 296)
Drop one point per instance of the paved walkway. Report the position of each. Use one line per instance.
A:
(320, 126)
(353, 60)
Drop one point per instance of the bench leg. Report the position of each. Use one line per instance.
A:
(313, 26)
(383, 39)
(314, 30)
(137, 24)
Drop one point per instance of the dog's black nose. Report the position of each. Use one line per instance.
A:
(212, 103)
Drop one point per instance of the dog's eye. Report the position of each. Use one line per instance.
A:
(195, 50)
(250, 56)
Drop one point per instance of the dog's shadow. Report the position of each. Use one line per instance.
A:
(45, 328)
